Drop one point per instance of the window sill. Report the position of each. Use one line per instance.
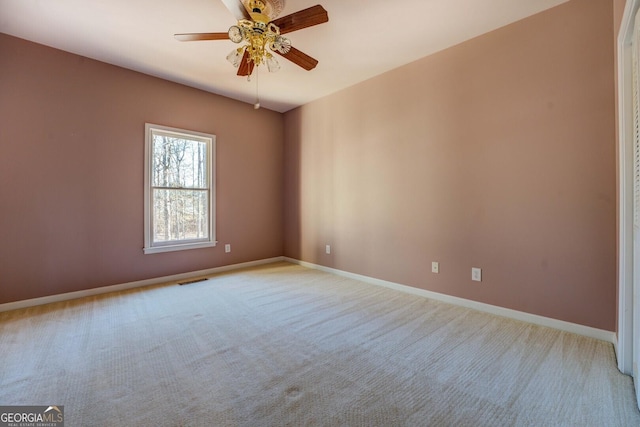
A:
(177, 247)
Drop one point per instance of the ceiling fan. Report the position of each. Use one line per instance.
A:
(261, 34)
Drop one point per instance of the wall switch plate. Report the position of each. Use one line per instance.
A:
(227, 248)
(435, 267)
(476, 274)
(327, 249)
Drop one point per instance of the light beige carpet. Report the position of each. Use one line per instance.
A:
(282, 345)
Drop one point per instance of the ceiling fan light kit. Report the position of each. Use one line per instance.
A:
(261, 34)
(260, 38)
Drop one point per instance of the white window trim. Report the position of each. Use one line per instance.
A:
(149, 247)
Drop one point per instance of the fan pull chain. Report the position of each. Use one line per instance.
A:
(257, 104)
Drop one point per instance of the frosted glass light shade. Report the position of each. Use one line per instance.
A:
(235, 57)
(272, 64)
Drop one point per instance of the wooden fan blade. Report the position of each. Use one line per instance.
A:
(246, 66)
(190, 37)
(300, 58)
(305, 18)
(237, 9)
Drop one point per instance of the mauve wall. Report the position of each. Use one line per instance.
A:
(71, 173)
(497, 153)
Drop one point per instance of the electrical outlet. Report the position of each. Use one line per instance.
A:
(476, 274)
(327, 249)
(227, 248)
(435, 267)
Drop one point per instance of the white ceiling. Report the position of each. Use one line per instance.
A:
(362, 39)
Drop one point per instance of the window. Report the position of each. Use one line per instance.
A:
(179, 189)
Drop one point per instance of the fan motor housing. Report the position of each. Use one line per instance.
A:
(270, 8)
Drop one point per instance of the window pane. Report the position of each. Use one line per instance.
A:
(179, 162)
(180, 215)
(179, 189)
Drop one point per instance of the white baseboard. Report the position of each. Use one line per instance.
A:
(587, 331)
(138, 284)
